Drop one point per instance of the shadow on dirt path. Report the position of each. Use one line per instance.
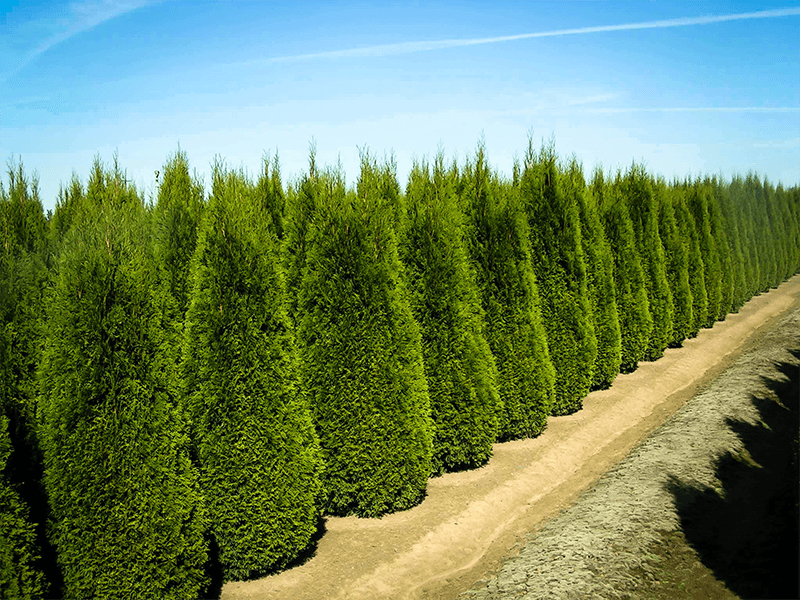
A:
(746, 533)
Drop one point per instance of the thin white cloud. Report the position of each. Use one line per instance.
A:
(79, 16)
(424, 46)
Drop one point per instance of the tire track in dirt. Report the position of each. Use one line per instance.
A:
(472, 521)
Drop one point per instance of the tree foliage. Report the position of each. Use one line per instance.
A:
(127, 514)
(459, 365)
(252, 431)
(637, 189)
(361, 354)
(560, 269)
(697, 280)
(676, 252)
(499, 243)
(699, 198)
(600, 280)
(636, 322)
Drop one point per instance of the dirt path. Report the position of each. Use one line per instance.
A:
(472, 521)
(705, 507)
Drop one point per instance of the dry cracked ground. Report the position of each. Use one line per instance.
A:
(705, 508)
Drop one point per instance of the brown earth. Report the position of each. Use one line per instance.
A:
(472, 522)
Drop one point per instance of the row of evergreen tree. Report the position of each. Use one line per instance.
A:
(188, 384)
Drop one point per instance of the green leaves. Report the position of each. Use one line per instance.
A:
(499, 244)
(560, 268)
(459, 366)
(189, 374)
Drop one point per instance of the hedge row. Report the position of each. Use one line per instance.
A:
(188, 385)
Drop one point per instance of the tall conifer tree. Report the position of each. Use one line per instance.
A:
(636, 322)
(499, 241)
(722, 242)
(24, 276)
(459, 366)
(128, 519)
(637, 190)
(697, 281)
(676, 252)
(698, 197)
(733, 227)
(560, 270)
(361, 353)
(600, 280)
(252, 428)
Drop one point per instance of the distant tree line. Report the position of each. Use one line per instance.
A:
(189, 384)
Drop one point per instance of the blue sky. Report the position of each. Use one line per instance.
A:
(688, 88)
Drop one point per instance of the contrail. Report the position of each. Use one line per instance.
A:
(82, 15)
(423, 46)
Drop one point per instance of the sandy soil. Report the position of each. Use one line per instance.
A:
(705, 507)
(472, 522)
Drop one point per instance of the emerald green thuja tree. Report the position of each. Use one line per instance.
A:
(726, 198)
(361, 354)
(698, 196)
(558, 263)
(127, 514)
(459, 365)
(636, 323)
(637, 190)
(498, 239)
(747, 230)
(600, 279)
(676, 252)
(252, 430)
(722, 239)
(24, 277)
(697, 280)
(767, 234)
(175, 222)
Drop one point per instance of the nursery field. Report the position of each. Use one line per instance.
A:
(310, 390)
(706, 507)
(581, 537)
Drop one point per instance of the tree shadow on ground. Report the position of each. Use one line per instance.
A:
(747, 534)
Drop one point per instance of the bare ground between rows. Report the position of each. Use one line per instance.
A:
(472, 522)
(705, 507)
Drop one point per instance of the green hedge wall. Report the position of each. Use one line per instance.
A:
(188, 386)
